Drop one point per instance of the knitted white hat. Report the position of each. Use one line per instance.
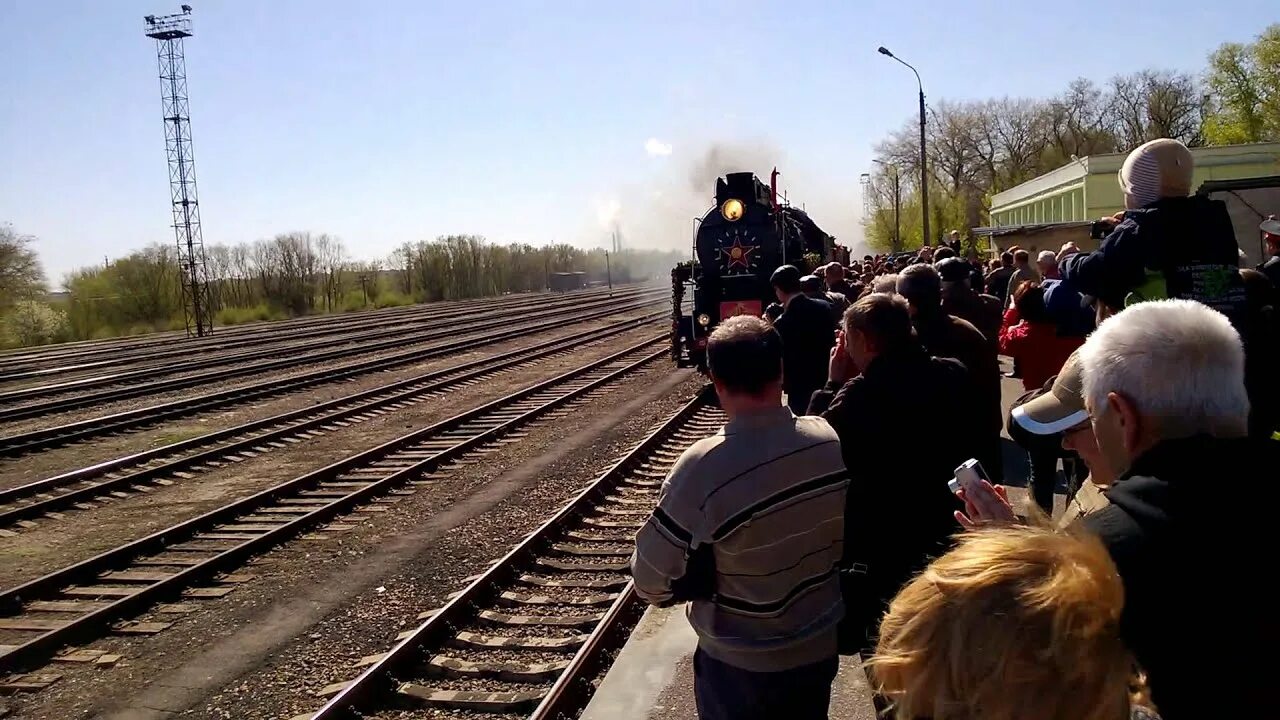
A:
(1157, 169)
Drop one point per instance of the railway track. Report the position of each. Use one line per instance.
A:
(346, 330)
(189, 560)
(87, 487)
(529, 637)
(141, 346)
(89, 391)
(24, 443)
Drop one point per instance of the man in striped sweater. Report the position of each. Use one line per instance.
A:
(750, 531)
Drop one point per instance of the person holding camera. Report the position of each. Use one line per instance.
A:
(1166, 243)
(1189, 516)
(884, 388)
(750, 531)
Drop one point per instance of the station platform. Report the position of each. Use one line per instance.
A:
(652, 678)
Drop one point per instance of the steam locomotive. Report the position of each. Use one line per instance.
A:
(738, 245)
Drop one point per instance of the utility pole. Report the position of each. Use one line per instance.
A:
(924, 172)
(608, 273)
(169, 32)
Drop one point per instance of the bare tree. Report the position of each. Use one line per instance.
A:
(1079, 123)
(1154, 104)
(331, 257)
(20, 272)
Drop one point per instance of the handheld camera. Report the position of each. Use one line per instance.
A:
(968, 475)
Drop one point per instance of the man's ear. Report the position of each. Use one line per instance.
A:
(1130, 421)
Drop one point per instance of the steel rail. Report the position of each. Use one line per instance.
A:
(263, 362)
(272, 345)
(44, 438)
(383, 684)
(256, 435)
(439, 443)
(29, 357)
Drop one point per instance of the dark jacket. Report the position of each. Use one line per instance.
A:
(808, 333)
(1271, 268)
(898, 511)
(946, 336)
(1181, 247)
(998, 282)
(981, 311)
(1191, 531)
(977, 282)
(843, 287)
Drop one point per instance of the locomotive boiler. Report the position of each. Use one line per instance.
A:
(738, 244)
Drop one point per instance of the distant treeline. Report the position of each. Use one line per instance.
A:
(296, 274)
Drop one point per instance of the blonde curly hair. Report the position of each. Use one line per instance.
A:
(1013, 623)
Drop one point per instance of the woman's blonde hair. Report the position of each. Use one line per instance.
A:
(1013, 623)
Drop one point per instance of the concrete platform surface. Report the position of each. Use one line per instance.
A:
(652, 678)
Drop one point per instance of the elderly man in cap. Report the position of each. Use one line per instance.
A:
(808, 333)
(1190, 514)
(1056, 417)
(960, 299)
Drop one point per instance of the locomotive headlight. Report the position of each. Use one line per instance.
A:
(732, 210)
(704, 319)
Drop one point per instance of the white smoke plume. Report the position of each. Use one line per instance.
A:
(656, 148)
(658, 210)
(660, 213)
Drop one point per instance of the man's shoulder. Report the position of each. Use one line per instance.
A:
(961, 328)
(812, 304)
(703, 447)
(812, 427)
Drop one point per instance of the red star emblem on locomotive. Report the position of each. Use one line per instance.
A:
(738, 254)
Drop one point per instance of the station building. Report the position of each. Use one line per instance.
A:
(1060, 205)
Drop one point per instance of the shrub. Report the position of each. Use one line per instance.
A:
(240, 315)
(392, 298)
(34, 323)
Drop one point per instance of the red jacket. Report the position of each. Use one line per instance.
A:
(1037, 347)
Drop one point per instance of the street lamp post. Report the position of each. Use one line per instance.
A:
(897, 205)
(924, 173)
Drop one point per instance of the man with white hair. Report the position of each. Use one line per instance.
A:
(1047, 264)
(885, 284)
(1189, 519)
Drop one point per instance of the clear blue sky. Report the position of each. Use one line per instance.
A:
(522, 121)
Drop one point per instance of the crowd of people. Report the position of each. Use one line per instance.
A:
(819, 520)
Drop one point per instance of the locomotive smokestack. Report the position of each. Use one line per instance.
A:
(773, 189)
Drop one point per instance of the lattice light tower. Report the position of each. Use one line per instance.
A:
(169, 32)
